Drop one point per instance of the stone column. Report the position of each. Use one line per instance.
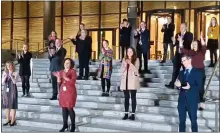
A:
(132, 19)
(49, 18)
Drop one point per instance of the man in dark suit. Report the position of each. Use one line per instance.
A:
(125, 34)
(189, 82)
(143, 46)
(168, 30)
(187, 38)
(56, 64)
(24, 59)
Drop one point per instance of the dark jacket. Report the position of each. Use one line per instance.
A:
(57, 60)
(83, 47)
(25, 69)
(145, 39)
(125, 34)
(187, 40)
(190, 97)
(168, 32)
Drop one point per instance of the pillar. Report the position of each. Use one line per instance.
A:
(132, 19)
(49, 18)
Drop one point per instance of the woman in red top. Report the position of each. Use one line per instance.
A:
(197, 52)
(52, 36)
(67, 96)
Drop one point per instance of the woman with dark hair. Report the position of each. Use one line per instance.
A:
(197, 52)
(52, 36)
(105, 67)
(213, 36)
(68, 94)
(10, 93)
(130, 80)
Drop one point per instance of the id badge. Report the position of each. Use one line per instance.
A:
(7, 89)
(64, 88)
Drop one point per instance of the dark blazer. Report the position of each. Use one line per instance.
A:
(57, 60)
(125, 34)
(187, 38)
(145, 39)
(168, 32)
(83, 47)
(25, 69)
(190, 96)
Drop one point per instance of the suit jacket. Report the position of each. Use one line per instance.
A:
(125, 34)
(24, 62)
(187, 38)
(83, 47)
(194, 79)
(145, 39)
(57, 60)
(168, 32)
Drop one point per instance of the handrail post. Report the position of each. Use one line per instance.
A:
(216, 117)
(32, 69)
(16, 49)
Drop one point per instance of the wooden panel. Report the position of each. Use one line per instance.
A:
(36, 33)
(196, 4)
(90, 7)
(70, 28)
(58, 26)
(147, 5)
(58, 8)
(91, 21)
(19, 30)
(20, 9)
(109, 21)
(109, 7)
(6, 9)
(71, 8)
(124, 6)
(177, 5)
(6, 30)
(36, 9)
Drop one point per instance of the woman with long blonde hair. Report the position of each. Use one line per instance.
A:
(10, 93)
(213, 36)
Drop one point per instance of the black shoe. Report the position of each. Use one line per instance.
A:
(7, 123)
(169, 86)
(53, 98)
(13, 124)
(79, 78)
(72, 129)
(103, 94)
(23, 95)
(86, 78)
(28, 95)
(147, 71)
(64, 128)
(132, 117)
(201, 109)
(211, 65)
(125, 117)
(163, 61)
(107, 94)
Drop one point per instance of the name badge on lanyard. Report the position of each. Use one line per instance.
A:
(64, 88)
(211, 35)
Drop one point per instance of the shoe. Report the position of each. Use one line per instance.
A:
(132, 117)
(7, 123)
(72, 129)
(147, 71)
(64, 128)
(201, 106)
(125, 117)
(28, 95)
(169, 86)
(103, 94)
(13, 124)
(163, 61)
(107, 94)
(53, 98)
(79, 78)
(211, 65)
(23, 95)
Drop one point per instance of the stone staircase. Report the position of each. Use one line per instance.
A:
(156, 105)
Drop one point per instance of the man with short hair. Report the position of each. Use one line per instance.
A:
(189, 82)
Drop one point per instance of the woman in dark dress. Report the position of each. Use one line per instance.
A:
(68, 94)
(10, 93)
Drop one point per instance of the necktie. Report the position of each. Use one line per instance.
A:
(186, 74)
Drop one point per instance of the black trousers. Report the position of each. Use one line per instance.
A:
(176, 68)
(25, 84)
(165, 48)
(103, 80)
(133, 100)
(123, 51)
(202, 90)
(83, 64)
(54, 85)
(145, 55)
(213, 52)
(66, 112)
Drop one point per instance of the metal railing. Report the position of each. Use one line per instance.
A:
(213, 100)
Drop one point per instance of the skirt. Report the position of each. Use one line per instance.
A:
(212, 44)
